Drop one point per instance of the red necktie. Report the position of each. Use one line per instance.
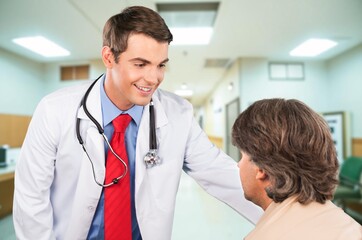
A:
(117, 208)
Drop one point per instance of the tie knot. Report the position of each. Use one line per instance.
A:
(121, 122)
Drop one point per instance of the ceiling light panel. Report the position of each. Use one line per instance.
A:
(188, 15)
(190, 23)
(184, 92)
(180, 15)
(313, 47)
(191, 36)
(42, 46)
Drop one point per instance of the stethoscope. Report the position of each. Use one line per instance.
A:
(151, 158)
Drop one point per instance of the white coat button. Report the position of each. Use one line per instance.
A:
(90, 208)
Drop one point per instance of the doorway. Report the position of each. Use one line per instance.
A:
(232, 112)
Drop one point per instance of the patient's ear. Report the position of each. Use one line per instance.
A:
(261, 175)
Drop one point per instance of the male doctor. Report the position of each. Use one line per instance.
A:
(61, 186)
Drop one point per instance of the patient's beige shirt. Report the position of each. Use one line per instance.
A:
(291, 220)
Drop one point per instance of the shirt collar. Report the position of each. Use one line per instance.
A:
(110, 111)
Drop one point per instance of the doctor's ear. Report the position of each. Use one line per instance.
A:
(107, 56)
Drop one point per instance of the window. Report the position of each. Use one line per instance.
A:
(286, 71)
(80, 72)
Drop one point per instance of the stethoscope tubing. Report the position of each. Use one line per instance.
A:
(153, 139)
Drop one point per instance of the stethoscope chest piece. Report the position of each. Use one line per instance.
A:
(152, 159)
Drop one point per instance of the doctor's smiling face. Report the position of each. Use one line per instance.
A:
(136, 74)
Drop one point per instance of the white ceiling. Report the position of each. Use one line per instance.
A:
(243, 28)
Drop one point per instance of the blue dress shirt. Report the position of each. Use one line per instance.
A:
(110, 112)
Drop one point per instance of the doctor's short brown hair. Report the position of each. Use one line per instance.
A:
(136, 19)
(293, 145)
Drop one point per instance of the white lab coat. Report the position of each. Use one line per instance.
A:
(56, 195)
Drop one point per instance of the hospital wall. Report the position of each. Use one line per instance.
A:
(22, 84)
(251, 82)
(256, 85)
(345, 87)
(214, 107)
(52, 73)
(329, 86)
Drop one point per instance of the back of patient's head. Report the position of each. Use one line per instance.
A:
(293, 145)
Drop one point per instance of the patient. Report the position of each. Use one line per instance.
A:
(289, 168)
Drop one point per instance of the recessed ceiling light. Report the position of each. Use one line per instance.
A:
(184, 92)
(189, 23)
(312, 47)
(42, 46)
(183, 86)
(191, 36)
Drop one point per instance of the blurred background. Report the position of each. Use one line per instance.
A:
(226, 54)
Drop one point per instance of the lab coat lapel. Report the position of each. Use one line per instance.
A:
(88, 192)
(146, 203)
(160, 115)
(143, 144)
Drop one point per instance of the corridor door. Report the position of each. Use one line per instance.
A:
(232, 112)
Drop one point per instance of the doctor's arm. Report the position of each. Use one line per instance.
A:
(32, 210)
(217, 173)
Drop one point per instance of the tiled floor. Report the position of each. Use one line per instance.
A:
(202, 217)
(7, 228)
(197, 216)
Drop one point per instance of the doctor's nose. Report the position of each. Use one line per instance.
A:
(154, 76)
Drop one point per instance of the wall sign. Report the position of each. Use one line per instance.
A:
(336, 122)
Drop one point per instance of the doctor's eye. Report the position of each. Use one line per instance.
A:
(162, 65)
(140, 64)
